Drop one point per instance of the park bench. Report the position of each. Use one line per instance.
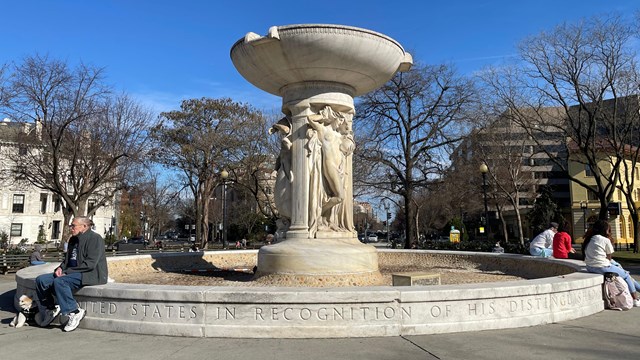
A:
(13, 262)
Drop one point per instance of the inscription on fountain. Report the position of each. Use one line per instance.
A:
(282, 313)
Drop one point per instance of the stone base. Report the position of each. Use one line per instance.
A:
(345, 280)
(568, 292)
(415, 278)
(320, 262)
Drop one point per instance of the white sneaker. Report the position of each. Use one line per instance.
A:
(74, 320)
(49, 315)
(636, 303)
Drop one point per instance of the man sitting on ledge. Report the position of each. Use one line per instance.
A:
(85, 264)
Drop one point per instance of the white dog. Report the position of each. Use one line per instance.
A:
(28, 312)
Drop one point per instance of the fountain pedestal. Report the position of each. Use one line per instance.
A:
(317, 70)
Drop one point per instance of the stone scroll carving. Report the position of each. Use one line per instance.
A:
(330, 147)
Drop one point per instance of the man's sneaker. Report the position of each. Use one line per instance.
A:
(74, 320)
(636, 302)
(49, 315)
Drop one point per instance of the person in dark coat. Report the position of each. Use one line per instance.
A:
(85, 264)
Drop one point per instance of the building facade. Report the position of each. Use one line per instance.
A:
(29, 214)
(585, 206)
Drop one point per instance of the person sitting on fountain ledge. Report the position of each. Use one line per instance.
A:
(541, 245)
(597, 253)
(85, 264)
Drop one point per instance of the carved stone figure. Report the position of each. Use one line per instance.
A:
(284, 175)
(330, 145)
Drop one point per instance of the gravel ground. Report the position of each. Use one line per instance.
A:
(240, 278)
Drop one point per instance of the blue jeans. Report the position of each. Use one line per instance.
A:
(542, 252)
(62, 287)
(631, 282)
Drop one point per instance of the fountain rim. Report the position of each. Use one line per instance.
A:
(282, 28)
(117, 307)
(575, 265)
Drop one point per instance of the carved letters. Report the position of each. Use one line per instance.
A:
(437, 312)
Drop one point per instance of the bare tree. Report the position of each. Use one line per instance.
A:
(506, 149)
(200, 140)
(583, 72)
(158, 196)
(84, 140)
(407, 130)
(254, 163)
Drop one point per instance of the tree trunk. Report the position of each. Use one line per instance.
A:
(636, 231)
(520, 231)
(505, 233)
(409, 221)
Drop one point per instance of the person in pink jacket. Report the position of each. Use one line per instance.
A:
(562, 242)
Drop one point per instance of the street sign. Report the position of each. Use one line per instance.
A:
(614, 208)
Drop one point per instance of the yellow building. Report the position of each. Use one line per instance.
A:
(585, 206)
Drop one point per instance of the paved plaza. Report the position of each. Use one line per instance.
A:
(606, 335)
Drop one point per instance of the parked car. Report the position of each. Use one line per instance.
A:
(114, 246)
(372, 238)
(138, 240)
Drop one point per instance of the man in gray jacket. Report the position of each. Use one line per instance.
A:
(85, 264)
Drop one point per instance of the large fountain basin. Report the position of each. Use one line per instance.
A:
(557, 290)
(362, 59)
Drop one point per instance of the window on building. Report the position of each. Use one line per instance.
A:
(22, 150)
(524, 201)
(16, 229)
(55, 230)
(91, 204)
(638, 194)
(43, 203)
(587, 170)
(57, 203)
(18, 203)
(592, 196)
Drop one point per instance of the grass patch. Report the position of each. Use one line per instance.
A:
(627, 257)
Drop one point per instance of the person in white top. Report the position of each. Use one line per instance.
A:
(542, 245)
(597, 250)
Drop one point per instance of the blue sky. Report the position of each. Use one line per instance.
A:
(163, 51)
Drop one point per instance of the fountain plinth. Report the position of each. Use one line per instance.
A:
(317, 69)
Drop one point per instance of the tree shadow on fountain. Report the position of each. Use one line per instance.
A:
(194, 264)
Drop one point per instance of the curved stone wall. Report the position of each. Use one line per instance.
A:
(558, 290)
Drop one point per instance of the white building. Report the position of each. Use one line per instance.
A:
(27, 211)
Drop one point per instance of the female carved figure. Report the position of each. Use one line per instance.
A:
(331, 146)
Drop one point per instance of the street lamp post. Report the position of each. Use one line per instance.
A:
(583, 206)
(484, 169)
(224, 175)
(387, 217)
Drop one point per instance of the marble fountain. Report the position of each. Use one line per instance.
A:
(319, 281)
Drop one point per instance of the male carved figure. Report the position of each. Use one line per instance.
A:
(284, 176)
